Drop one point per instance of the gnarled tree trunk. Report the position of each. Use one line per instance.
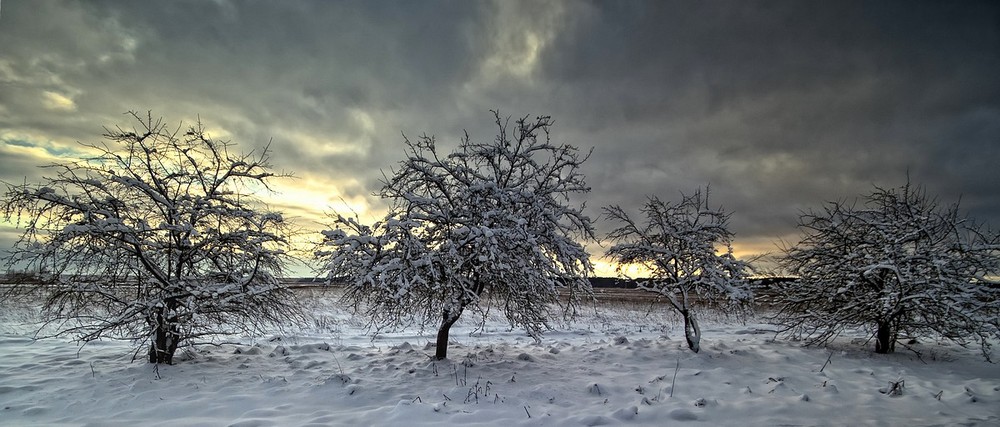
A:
(885, 338)
(448, 319)
(692, 332)
(164, 340)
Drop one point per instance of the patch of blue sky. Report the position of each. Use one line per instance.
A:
(52, 149)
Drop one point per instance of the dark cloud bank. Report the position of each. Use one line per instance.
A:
(778, 105)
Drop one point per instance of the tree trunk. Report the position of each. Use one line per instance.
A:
(885, 340)
(448, 319)
(164, 341)
(692, 332)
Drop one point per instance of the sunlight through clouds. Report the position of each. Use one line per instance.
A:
(517, 59)
(364, 120)
(608, 269)
(57, 102)
(518, 39)
(312, 197)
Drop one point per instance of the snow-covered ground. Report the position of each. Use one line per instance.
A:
(614, 366)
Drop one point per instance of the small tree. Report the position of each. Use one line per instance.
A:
(489, 225)
(156, 239)
(679, 246)
(895, 262)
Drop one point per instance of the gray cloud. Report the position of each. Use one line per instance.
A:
(783, 105)
(778, 105)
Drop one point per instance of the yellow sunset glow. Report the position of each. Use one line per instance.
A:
(57, 101)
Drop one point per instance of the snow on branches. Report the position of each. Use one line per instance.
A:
(488, 225)
(157, 238)
(678, 244)
(897, 262)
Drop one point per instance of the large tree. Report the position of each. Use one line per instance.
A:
(490, 225)
(157, 238)
(895, 262)
(686, 249)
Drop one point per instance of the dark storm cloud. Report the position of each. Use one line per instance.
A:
(778, 105)
(783, 105)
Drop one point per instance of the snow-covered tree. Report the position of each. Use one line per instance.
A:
(490, 225)
(157, 239)
(895, 262)
(686, 249)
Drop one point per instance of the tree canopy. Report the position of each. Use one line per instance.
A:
(895, 261)
(489, 225)
(157, 238)
(678, 244)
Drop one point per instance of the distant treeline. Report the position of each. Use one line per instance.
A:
(758, 283)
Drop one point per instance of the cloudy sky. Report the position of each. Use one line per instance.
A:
(779, 106)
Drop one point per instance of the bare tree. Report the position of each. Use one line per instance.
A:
(678, 245)
(896, 262)
(156, 239)
(488, 226)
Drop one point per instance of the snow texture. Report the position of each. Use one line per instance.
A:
(332, 373)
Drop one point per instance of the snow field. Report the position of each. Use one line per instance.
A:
(613, 366)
